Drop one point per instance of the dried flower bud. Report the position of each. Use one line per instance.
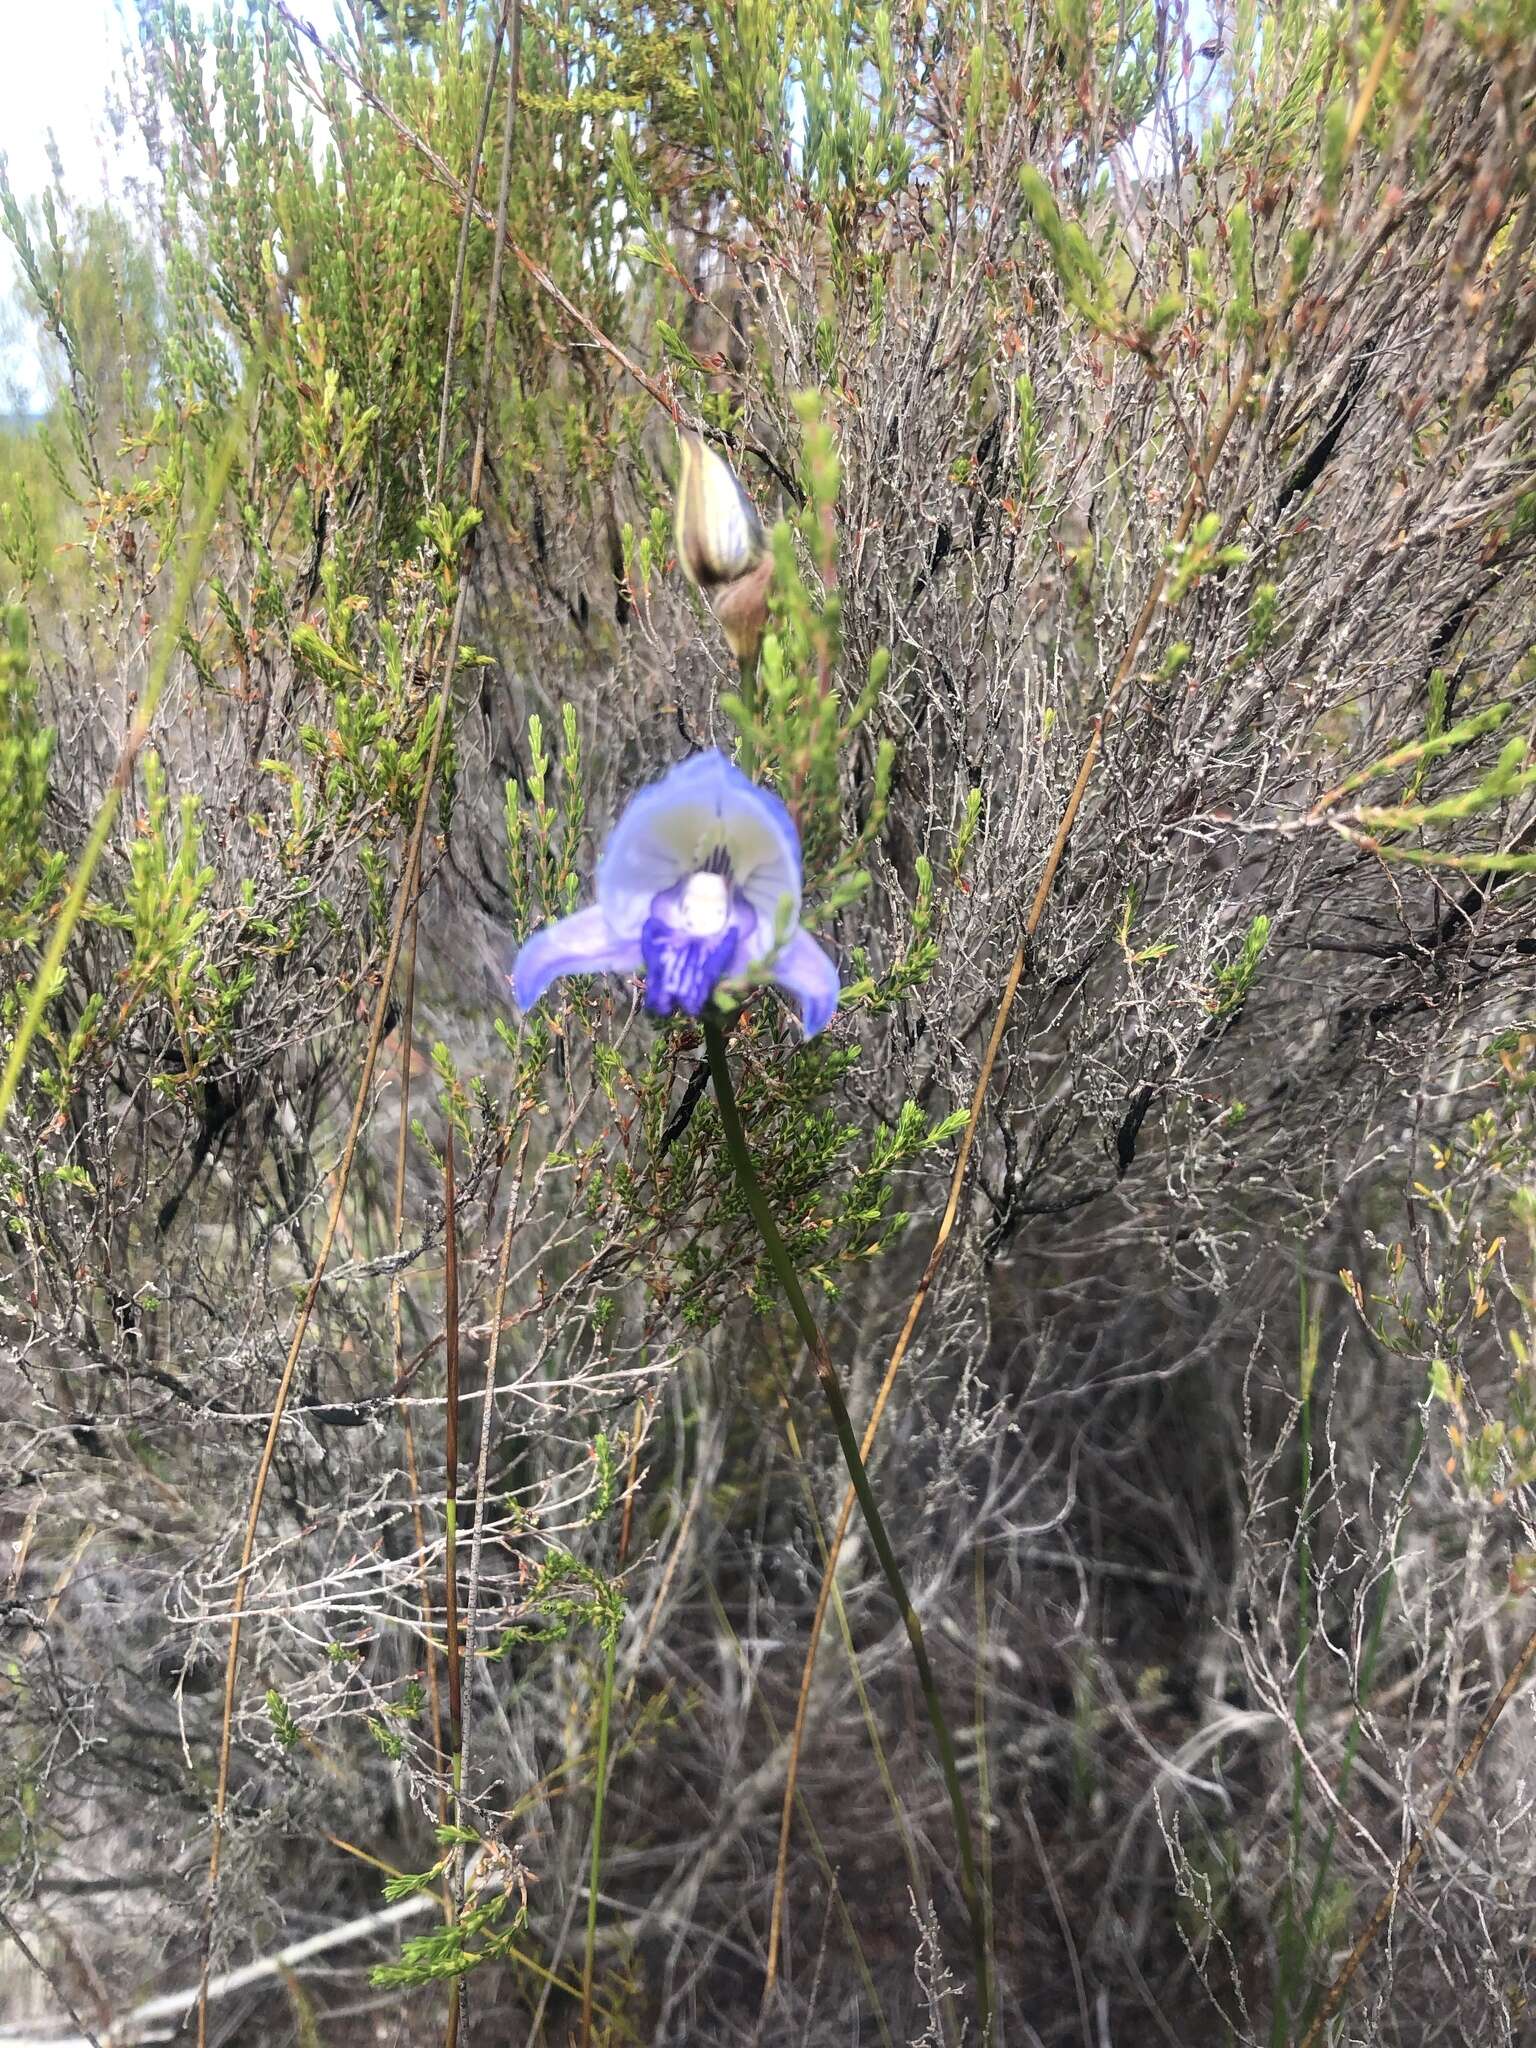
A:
(742, 609)
(719, 535)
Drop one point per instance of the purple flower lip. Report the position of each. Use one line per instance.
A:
(700, 880)
(692, 939)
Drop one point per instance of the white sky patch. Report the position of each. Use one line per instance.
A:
(61, 64)
(59, 61)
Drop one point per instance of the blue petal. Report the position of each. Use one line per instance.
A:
(809, 973)
(703, 807)
(583, 944)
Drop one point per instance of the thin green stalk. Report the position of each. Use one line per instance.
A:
(604, 1714)
(1292, 1952)
(746, 671)
(451, 1526)
(866, 1706)
(818, 1847)
(783, 1266)
(983, 1762)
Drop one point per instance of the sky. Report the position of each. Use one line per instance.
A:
(59, 62)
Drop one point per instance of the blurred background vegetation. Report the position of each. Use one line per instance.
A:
(1144, 398)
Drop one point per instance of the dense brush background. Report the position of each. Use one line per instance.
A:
(1211, 1462)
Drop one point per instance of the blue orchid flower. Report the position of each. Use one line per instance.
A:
(700, 879)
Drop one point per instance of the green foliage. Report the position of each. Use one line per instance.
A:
(164, 909)
(390, 1741)
(606, 1470)
(1464, 1309)
(29, 879)
(1076, 261)
(1199, 556)
(21, 536)
(1417, 754)
(1381, 827)
(474, 1938)
(1263, 619)
(831, 1184)
(1506, 779)
(855, 155)
(566, 1594)
(479, 1933)
(794, 723)
(1234, 981)
(285, 1728)
(547, 838)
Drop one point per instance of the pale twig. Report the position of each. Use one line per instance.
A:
(1466, 1764)
(36, 1962)
(173, 2006)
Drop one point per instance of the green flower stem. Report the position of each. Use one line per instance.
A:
(778, 1254)
(599, 1799)
(746, 670)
